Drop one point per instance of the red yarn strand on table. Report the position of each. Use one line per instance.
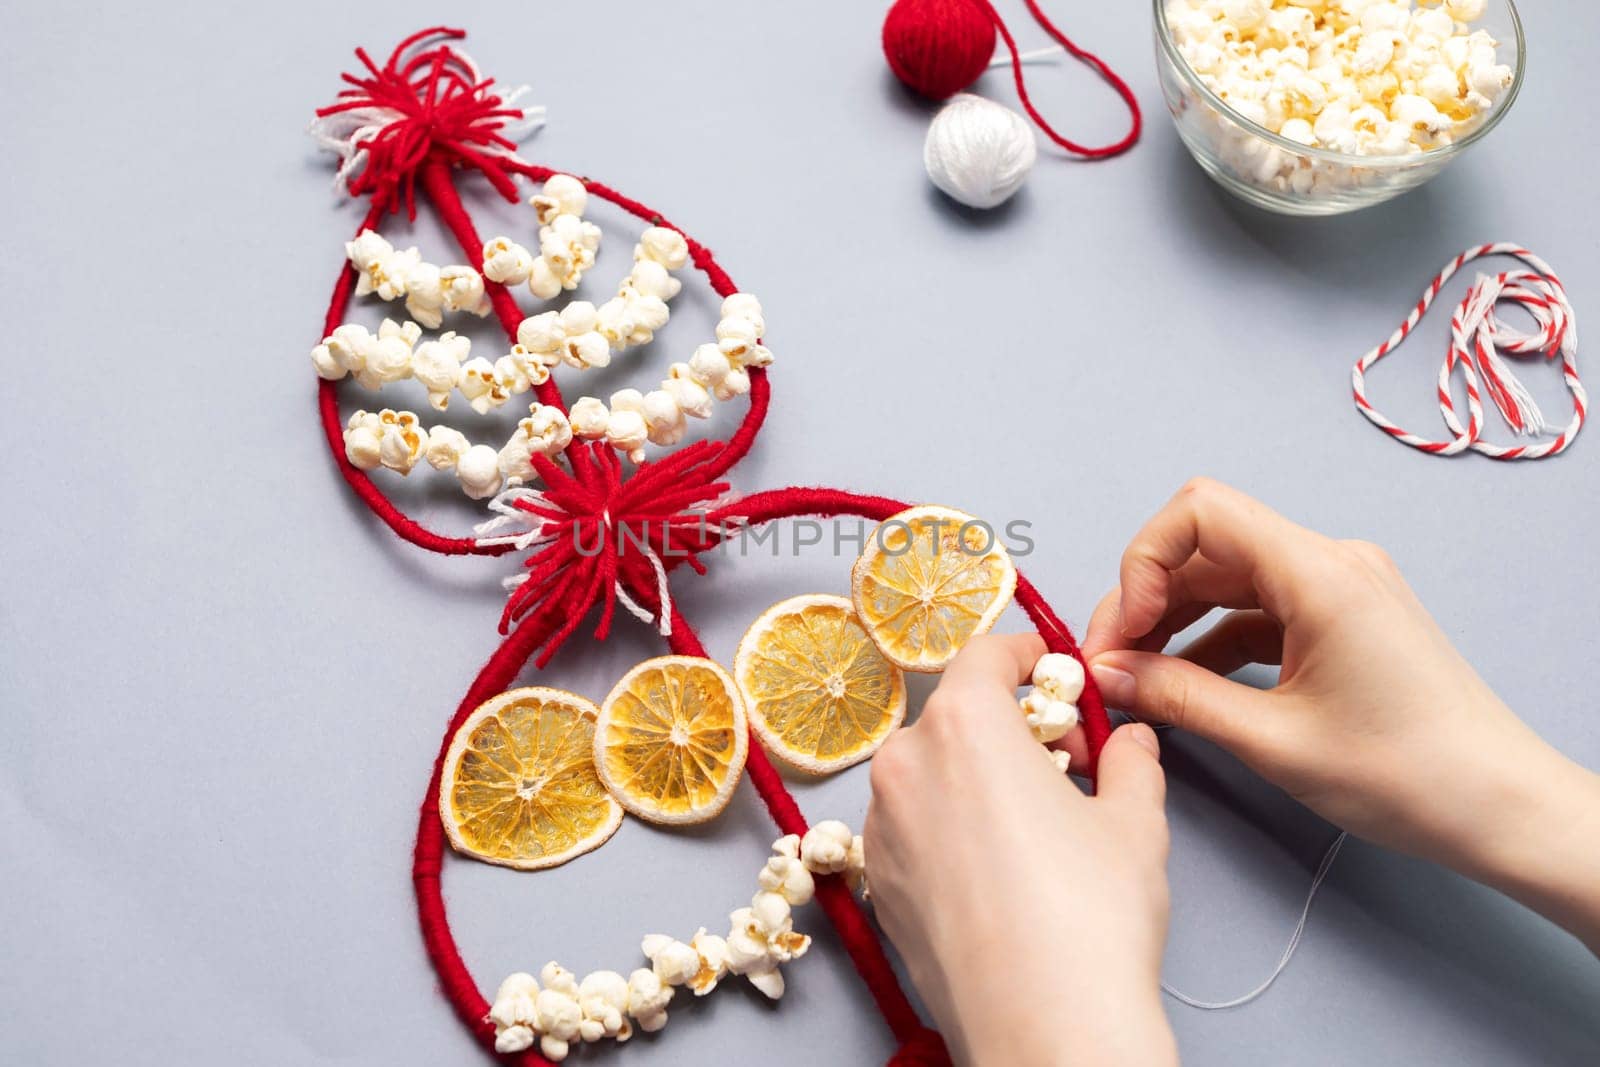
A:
(1136, 123)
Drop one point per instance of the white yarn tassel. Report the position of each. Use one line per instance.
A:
(979, 152)
(530, 532)
(509, 516)
(519, 130)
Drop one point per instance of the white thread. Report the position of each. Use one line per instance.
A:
(1003, 59)
(979, 152)
(1288, 951)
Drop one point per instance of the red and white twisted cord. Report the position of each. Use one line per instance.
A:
(1478, 340)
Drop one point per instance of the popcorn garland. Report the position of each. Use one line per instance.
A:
(396, 439)
(581, 335)
(760, 938)
(1361, 77)
(428, 290)
(720, 371)
(414, 123)
(567, 244)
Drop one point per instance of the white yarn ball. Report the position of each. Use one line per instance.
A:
(978, 151)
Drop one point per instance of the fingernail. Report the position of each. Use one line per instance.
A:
(1144, 736)
(1116, 685)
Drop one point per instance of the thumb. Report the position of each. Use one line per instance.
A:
(1165, 689)
(1130, 769)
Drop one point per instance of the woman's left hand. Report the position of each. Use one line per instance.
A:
(1031, 918)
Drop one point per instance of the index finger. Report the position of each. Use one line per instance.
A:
(994, 661)
(1238, 534)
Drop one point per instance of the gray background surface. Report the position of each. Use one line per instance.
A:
(223, 683)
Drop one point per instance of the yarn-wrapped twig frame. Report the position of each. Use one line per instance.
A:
(438, 119)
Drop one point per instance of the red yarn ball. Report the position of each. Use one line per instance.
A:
(938, 47)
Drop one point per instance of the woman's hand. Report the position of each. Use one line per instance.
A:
(1377, 723)
(1031, 917)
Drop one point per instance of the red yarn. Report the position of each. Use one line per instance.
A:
(600, 530)
(446, 110)
(562, 584)
(925, 1049)
(435, 174)
(1057, 638)
(939, 47)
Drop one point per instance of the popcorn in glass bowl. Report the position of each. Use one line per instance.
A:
(1318, 107)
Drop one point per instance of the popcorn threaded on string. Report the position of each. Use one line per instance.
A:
(1051, 706)
(555, 1010)
(633, 419)
(579, 335)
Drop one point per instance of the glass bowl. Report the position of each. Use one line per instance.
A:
(1288, 177)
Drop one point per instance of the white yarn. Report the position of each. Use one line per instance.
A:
(1288, 951)
(979, 152)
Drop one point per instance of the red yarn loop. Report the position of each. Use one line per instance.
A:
(939, 47)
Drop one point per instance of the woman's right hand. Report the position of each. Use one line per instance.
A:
(1377, 723)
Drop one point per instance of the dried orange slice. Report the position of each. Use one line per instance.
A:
(671, 740)
(820, 695)
(519, 786)
(929, 579)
